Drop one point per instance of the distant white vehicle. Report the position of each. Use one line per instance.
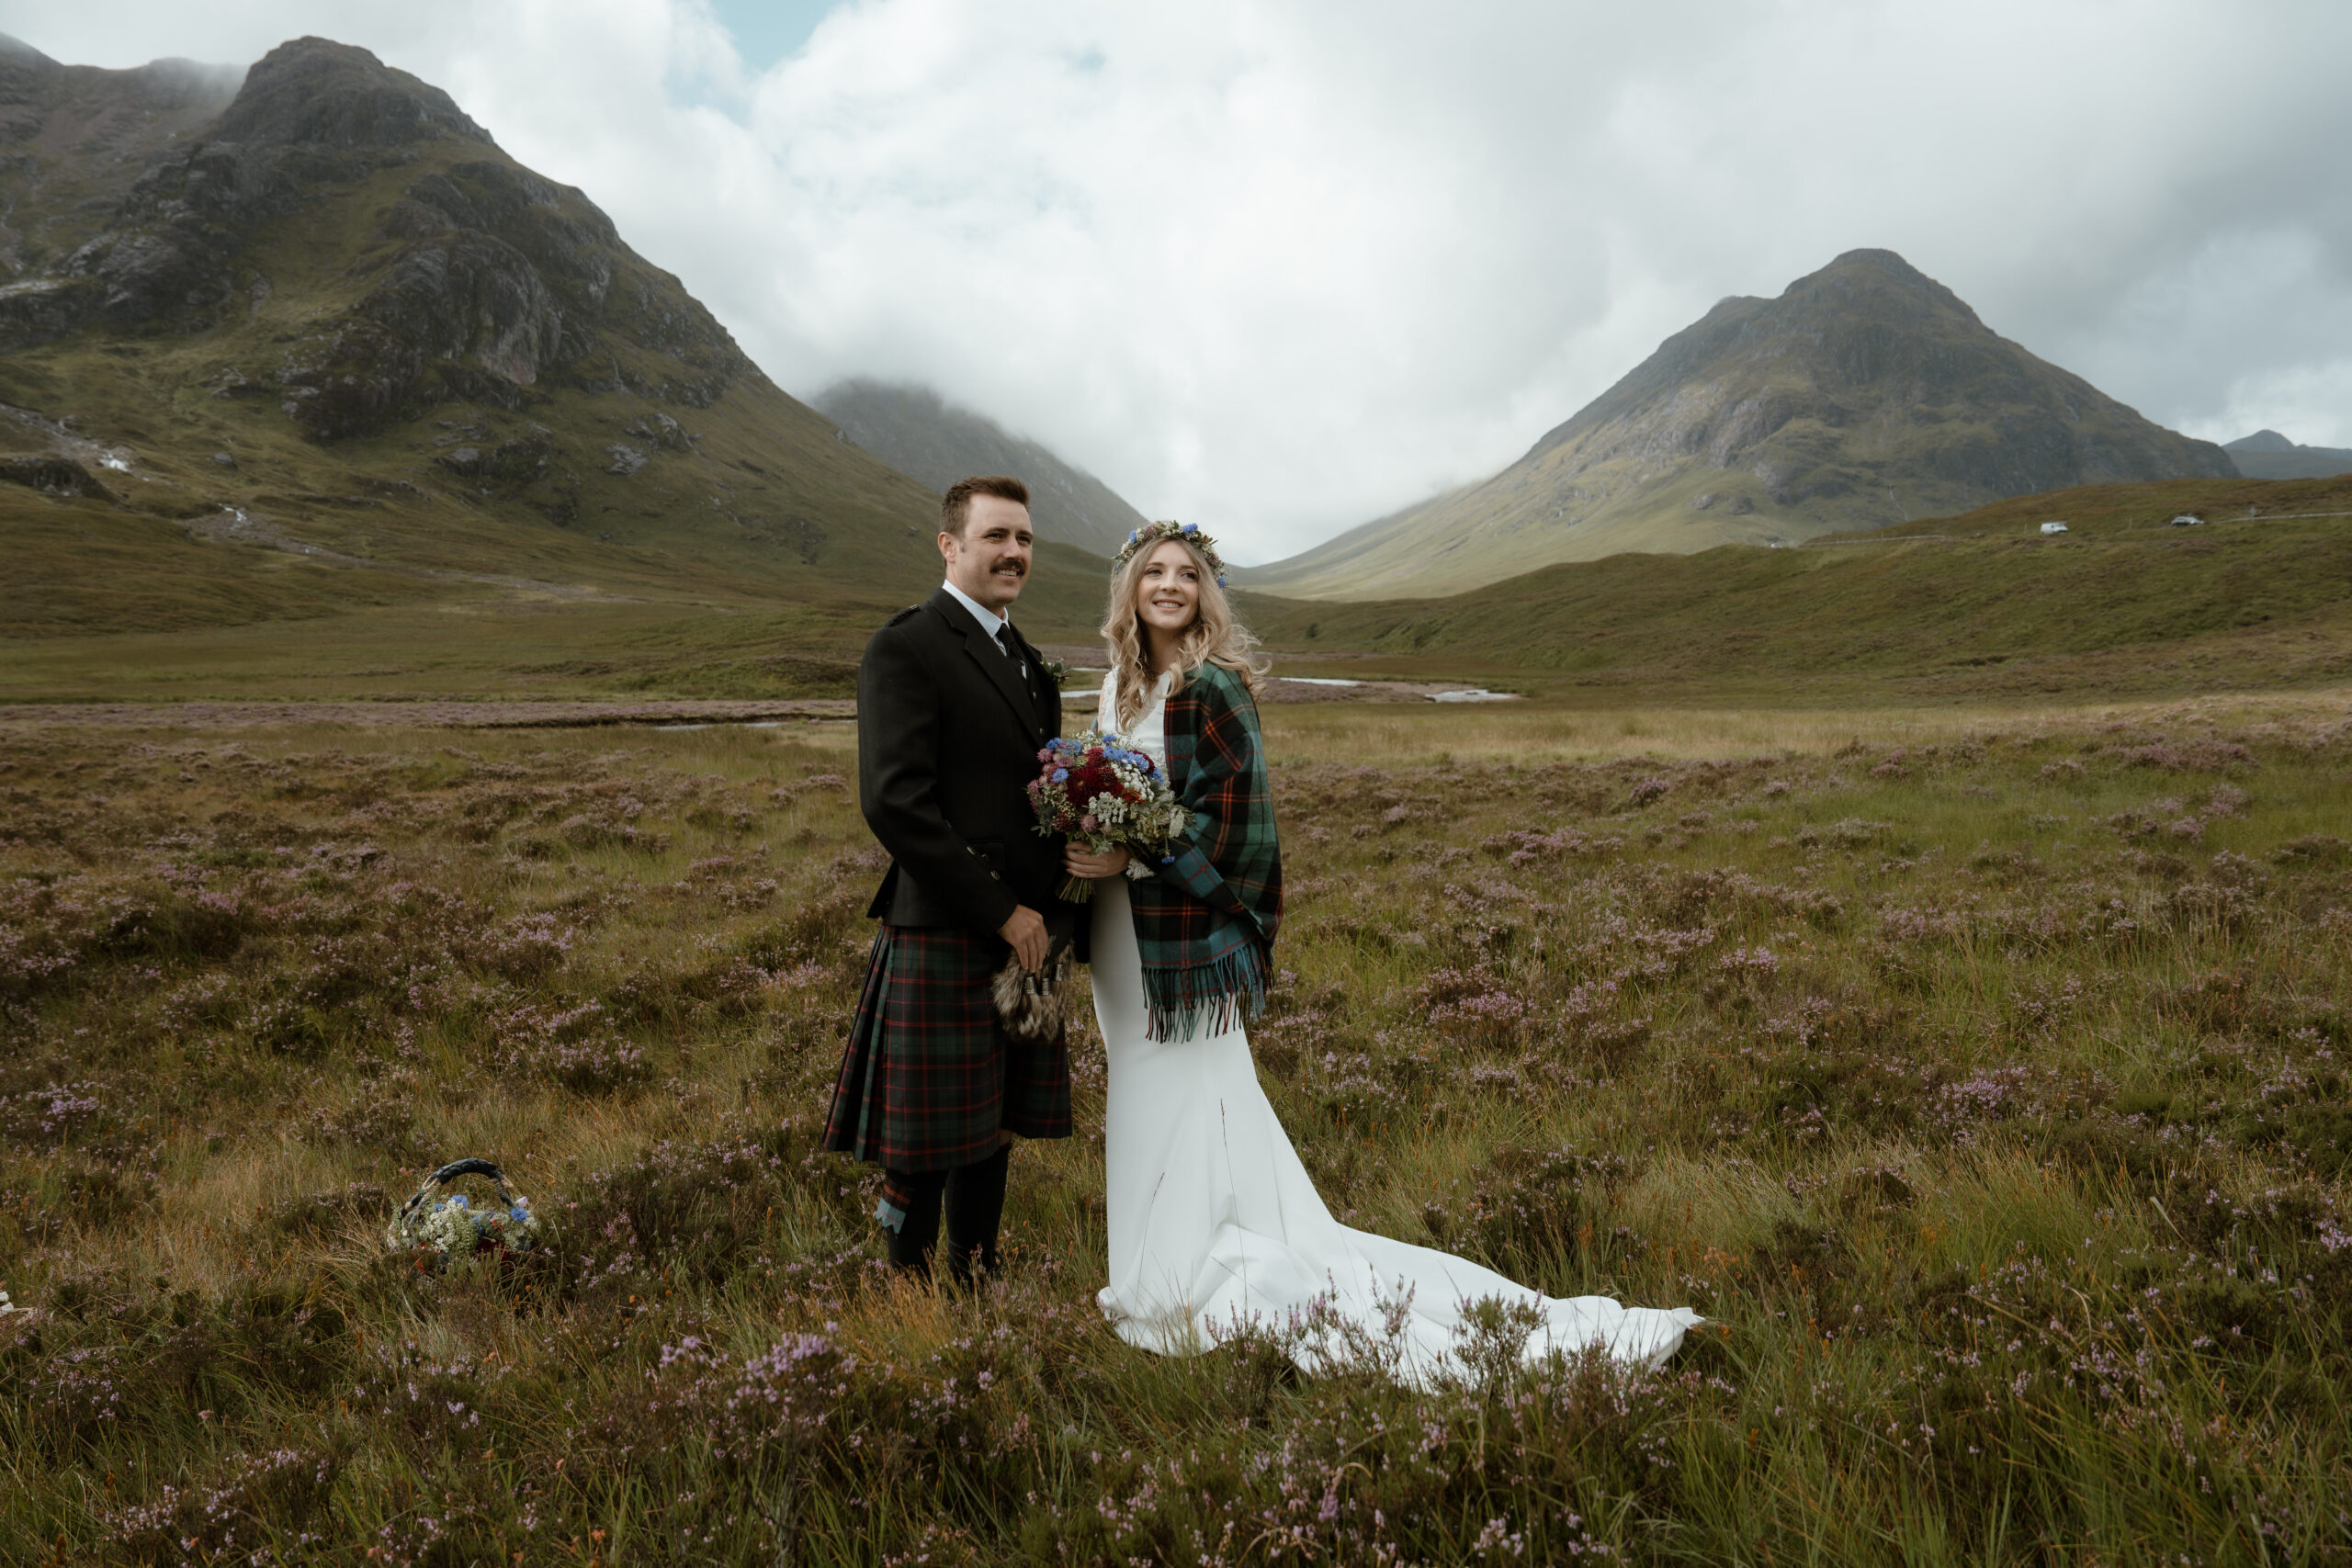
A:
(2188, 520)
(2053, 527)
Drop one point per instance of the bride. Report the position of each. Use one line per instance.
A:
(1214, 1221)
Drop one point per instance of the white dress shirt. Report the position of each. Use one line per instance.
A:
(991, 623)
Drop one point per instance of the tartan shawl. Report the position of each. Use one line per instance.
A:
(1205, 923)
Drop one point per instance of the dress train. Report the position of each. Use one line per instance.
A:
(1213, 1220)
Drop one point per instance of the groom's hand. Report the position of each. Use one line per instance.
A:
(1026, 932)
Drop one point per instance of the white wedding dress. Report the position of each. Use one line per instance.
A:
(1214, 1221)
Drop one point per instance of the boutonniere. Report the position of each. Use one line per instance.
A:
(1055, 671)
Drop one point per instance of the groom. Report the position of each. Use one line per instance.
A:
(952, 706)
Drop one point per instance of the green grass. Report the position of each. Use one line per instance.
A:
(2123, 606)
(1979, 1075)
(2129, 509)
(467, 639)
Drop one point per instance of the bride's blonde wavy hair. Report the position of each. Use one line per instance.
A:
(1214, 638)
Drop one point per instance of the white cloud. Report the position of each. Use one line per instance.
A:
(2311, 404)
(1280, 269)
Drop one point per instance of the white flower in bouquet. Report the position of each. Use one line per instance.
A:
(454, 1228)
(1094, 791)
(448, 1227)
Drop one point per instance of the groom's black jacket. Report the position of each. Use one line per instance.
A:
(948, 730)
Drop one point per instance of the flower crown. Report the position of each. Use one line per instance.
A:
(1151, 534)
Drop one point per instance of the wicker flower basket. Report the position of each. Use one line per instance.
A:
(438, 1229)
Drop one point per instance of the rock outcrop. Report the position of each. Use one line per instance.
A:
(1866, 394)
(317, 294)
(483, 279)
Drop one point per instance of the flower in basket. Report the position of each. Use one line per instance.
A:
(454, 1228)
(1095, 791)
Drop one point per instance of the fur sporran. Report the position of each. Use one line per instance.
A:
(1030, 1007)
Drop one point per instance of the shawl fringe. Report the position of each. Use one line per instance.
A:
(1180, 999)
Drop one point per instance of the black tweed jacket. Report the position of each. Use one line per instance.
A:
(948, 730)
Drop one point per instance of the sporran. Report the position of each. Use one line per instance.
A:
(1032, 1007)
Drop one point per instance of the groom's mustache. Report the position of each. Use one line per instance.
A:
(1012, 564)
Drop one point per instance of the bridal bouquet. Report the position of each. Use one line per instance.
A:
(1095, 791)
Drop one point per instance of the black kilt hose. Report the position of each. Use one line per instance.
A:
(948, 729)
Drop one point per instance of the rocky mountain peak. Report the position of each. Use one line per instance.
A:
(2261, 441)
(314, 92)
(313, 290)
(1857, 273)
(1866, 393)
(432, 267)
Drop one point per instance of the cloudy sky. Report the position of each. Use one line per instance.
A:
(1281, 268)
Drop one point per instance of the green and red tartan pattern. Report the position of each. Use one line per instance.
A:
(1206, 924)
(929, 1080)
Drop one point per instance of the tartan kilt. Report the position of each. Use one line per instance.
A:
(929, 1080)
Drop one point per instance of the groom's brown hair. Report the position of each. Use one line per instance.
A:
(955, 506)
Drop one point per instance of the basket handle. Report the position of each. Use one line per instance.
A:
(468, 1167)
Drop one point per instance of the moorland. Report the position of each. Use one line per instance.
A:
(1978, 1071)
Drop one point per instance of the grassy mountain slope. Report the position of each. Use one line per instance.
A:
(330, 351)
(1867, 393)
(917, 432)
(1977, 604)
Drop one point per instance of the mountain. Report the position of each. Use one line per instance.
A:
(1867, 393)
(2267, 455)
(917, 432)
(302, 340)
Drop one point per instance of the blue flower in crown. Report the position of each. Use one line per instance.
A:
(1190, 533)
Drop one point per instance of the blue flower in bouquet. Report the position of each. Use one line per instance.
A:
(1102, 795)
(454, 1228)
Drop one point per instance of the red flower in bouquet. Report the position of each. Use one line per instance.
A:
(1098, 793)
